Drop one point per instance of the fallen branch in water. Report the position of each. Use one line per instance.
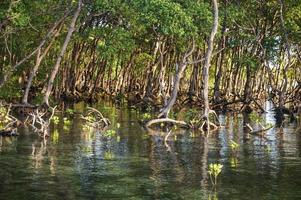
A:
(38, 123)
(167, 120)
(259, 132)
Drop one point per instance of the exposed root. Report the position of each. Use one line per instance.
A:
(95, 119)
(204, 127)
(215, 115)
(165, 141)
(207, 125)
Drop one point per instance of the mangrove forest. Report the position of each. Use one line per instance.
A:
(150, 99)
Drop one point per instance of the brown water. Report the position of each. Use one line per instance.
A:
(80, 164)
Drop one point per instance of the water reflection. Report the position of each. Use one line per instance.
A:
(136, 164)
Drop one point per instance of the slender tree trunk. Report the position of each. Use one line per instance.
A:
(59, 59)
(179, 72)
(219, 65)
(281, 103)
(287, 47)
(37, 65)
(207, 63)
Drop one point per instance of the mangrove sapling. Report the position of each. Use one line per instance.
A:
(214, 171)
(55, 119)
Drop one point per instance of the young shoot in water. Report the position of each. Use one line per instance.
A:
(214, 170)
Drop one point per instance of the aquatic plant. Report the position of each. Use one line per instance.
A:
(213, 196)
(214, 170)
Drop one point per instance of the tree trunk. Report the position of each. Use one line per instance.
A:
(179, 72)
(58, 61)
(207, 63)
(219, 65)
(37, 65)
(280, 114)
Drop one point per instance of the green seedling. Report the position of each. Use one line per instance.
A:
(214, 171)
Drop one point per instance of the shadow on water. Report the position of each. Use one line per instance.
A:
(78, 163)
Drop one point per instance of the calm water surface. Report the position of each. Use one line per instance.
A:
(75, 163)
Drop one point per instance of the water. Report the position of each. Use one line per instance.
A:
(79, 164)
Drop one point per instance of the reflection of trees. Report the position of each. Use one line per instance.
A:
(41, 152)
(179, 165)
(204, 158)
